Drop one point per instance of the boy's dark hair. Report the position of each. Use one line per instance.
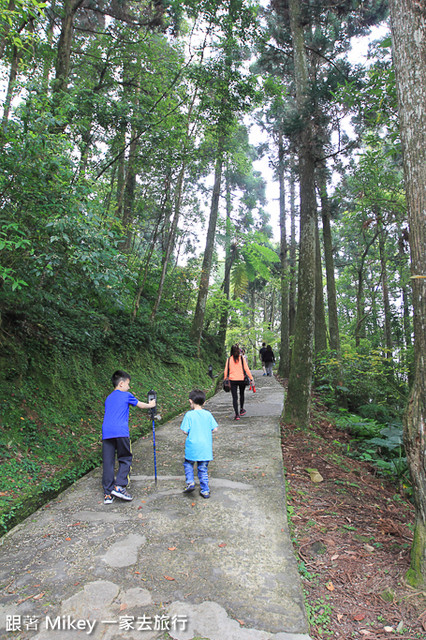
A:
(118, 376)
(197, 396)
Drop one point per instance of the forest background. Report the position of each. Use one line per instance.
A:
(135, 231)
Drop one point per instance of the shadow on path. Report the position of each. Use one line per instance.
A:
(167, 565)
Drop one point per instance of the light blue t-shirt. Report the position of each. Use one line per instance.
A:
(116, 418)
(198, 424)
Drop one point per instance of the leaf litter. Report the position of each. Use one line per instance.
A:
(352, 535)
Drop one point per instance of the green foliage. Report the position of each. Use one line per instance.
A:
(372, 384)
(380, 445)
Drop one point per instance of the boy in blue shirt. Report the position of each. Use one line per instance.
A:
(116, 437)
(198, 424)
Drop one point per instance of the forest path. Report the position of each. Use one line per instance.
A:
(167, 565)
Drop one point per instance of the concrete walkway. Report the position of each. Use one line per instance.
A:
(167, 565)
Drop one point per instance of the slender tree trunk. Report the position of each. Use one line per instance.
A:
(170, 239)
(47, 62)
(119, 143)
(6, 28)
(13, 74)
(300, 382)
(62, 67)
(402, 260)
(293, 248)
(320, 325)
(385, 291)
(198, 320)
(360, 316)
(143, 272)
(333, 324)
(229, 258)
(333, 321)
(130, 180)
(408, 25)
(284, 364)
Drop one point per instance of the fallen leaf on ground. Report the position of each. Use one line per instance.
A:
(359, 616)
(222, 544)
(329, 586)
(168, 578)
(171, 548)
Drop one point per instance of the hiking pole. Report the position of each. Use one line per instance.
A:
(152, 395)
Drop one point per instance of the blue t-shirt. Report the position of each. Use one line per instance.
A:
(198, 424)
(116, 418)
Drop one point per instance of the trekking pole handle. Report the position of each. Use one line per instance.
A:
(152, 395)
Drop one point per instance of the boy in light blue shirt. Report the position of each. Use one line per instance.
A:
(199, 425)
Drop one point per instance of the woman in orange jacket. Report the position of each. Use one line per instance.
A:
(235, 369)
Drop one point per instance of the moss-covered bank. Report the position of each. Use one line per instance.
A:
(52, 406)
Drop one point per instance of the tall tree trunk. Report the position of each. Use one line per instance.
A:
(320, 325)
(385, 291)
(130, 178)
(293, 248)
(62, 67)
(300, 382)
(47, 62)
(177, 201)
(13, 74)
(120, 143)
(333, 324)
(170, 239)
(229, 258)
(198, 320)
(6, 28)
(360, 314)
(284, 364)
(408, 25)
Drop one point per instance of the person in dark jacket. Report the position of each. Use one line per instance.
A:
(268, 359)
(261, 352)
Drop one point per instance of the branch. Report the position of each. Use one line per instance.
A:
(328, 60)
(350, 144)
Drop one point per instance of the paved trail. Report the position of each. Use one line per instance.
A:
(167, 565)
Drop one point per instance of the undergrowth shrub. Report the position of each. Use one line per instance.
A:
(381, 445)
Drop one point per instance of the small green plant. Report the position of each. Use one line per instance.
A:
(319, 614)
(305, 573)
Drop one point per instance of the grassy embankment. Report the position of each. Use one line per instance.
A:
(51, 414)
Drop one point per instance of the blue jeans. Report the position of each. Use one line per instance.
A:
(203, 476)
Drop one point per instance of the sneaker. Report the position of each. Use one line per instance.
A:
(121, 492)
(108, 498)
(243, 412)
(237, 417)
(205, 494)
(189, 487)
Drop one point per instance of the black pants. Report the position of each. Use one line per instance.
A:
(235, 385)
(124, 456)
